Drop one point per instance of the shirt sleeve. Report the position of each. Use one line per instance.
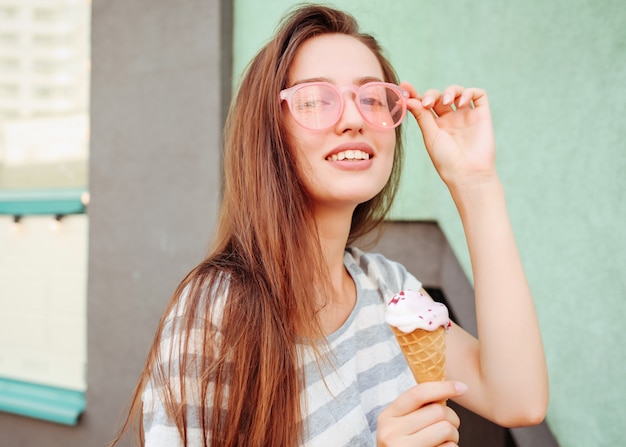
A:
(159, 428)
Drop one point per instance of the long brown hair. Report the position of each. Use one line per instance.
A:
(266, 260)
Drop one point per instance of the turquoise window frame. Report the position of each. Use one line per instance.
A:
(54, 404)
(37, 401)
(45, 201)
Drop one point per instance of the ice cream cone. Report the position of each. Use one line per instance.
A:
(420, 326)
(425, 352)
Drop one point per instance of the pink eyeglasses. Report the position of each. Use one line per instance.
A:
(319, 105)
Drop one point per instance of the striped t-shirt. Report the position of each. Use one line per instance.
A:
(342, 400)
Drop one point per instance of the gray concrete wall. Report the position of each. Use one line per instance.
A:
(160, 79)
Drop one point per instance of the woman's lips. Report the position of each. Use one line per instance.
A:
(351, 152)
(349, 155)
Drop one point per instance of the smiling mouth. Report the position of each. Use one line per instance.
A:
(350, 155)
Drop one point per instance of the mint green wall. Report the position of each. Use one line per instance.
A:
(555, 72)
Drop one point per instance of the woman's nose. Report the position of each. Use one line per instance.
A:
(350, 119)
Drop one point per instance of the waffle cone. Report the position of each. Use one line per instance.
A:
(425, 352)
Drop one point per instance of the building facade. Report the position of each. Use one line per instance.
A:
(160, 84)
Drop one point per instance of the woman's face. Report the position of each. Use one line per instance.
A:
(333, 176)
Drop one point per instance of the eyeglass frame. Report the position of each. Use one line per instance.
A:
(287, 95)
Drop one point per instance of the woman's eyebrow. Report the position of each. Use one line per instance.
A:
(366, 79)
(318, 79)
(357, 81)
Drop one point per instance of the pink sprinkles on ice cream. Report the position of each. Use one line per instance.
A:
(409, 310)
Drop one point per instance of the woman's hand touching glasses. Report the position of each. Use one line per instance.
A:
(458, 132)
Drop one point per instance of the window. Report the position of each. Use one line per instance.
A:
(9, 90)
(45, 14)
(8, 12)
(9, 39)
(9, 64)
(51, 40)
(45, 66)
(44, 139)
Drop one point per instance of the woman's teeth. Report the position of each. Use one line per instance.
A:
(349, 155)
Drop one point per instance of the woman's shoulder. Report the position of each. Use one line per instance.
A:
(198, 301)
(360, 256)
(369, 261)
(377, 268)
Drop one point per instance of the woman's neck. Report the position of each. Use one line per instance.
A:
(333, 229)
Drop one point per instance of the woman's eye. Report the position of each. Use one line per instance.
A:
(371, 102)
(311, 104)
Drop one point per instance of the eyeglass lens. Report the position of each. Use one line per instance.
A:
(318, 106)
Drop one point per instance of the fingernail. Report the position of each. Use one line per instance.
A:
(446, 99)
(460, 387)
(426, 101)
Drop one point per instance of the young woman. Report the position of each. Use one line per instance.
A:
(278, 337)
